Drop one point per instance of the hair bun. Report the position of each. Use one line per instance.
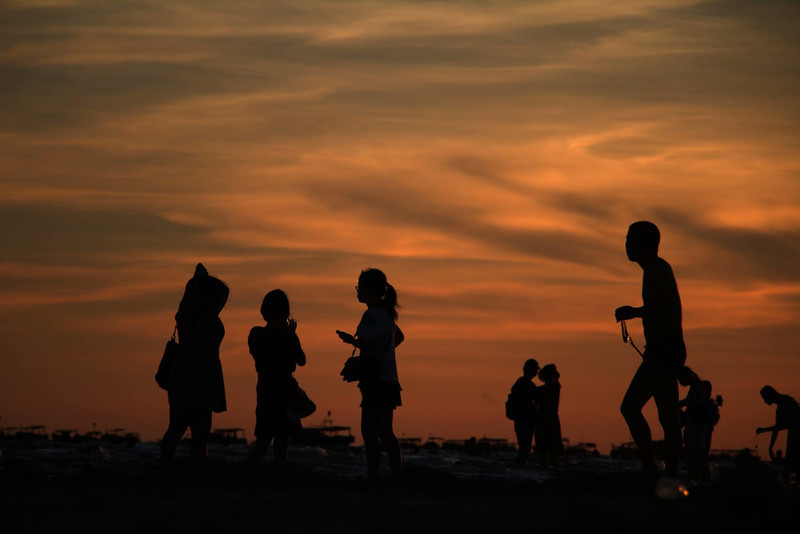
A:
(200, 270)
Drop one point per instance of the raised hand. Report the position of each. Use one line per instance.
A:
(347, 338)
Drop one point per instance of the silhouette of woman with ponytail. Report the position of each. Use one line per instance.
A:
(377, 336)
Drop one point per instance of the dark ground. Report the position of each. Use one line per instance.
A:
(86, 490)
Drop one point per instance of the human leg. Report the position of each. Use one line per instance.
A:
(281, 448)
(542, 442)
(639, 392)
(524, 431)
(666, 398)
(261, 446)
(200, 423)
(263, 433)
(792, 456)
(370, 418)
(558, 445)
(705, 464)
(389, 440)
(178, 423)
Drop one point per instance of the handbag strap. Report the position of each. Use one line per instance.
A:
(626, 338)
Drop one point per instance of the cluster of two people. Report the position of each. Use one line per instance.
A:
(699, 416)
(534, 410)
(195, 383)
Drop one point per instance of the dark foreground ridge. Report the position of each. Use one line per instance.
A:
(122, 489)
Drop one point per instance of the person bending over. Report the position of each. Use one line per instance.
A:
(787, 417)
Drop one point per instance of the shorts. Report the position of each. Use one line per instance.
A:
(670, 354)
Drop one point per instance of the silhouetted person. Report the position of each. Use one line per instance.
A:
(523, 400)
(711, 412)
(699, 418)
(787, 417)
(196, 387)
(276, 351)
(548, 424)
(665, 352)
(377, 336)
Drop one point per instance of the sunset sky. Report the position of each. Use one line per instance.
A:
(488, 156)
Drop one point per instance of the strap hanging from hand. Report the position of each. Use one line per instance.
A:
(626, 338)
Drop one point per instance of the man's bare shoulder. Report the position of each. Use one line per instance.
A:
(659, 268)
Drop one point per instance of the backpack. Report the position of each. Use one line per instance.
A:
(710, 412)
(511, 411)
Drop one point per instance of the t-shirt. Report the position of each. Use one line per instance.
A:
(376, 334)
(787, 413)
(523, 398)
(276, 352)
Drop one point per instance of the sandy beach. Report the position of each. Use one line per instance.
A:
(46, 487)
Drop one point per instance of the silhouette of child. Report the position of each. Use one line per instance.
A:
(523, 400)
(276, 351)
(377, 336)
(548, 424)
(195, 385)
(698, 422)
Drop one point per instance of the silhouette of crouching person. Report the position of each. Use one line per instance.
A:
(787, 417)
(195, 387)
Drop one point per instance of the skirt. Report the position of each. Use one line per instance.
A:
(380, 395)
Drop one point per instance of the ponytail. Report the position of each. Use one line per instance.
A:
(389, 302)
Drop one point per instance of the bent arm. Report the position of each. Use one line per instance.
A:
(252, 342)
(398, 336)
(347, 338)
(300, 356)
(772, 439)
(623, 313)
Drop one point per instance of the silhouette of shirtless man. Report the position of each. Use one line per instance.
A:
(664, 354)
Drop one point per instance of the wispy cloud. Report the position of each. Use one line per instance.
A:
(489, 156)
